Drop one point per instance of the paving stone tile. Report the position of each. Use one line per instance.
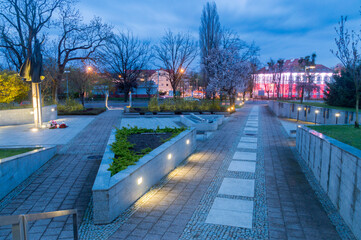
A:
(242, 166)
(230, 218)
(250, 156)
(247, 145)
(237, 187)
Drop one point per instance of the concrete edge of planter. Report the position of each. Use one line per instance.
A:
(114, 194)
(348, 148)
(25, 116)
(25, 164)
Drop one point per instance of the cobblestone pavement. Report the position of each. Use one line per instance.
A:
(64, 182)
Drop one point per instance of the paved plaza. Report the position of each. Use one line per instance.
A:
(245, 182)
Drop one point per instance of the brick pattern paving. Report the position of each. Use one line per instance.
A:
(64, 183)
(294, 211)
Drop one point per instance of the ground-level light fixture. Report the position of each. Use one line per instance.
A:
(238, 99)
(34, 129)
(139, 180)
(169, 156)
(337, 116)
(53, 109)
(187, 142)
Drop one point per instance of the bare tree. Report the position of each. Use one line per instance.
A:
(230, 67)
(21, 21)
(82, 80)
(77, 41)
(125, 56)
(209, 36)
(272, 69)
(306, 85)
(348, 52)
(176, 52)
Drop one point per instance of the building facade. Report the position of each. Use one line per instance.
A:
(265, 85)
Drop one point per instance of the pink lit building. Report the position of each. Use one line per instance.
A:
(264, 85)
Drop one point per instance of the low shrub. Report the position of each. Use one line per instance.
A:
(70, 105)
(153, 105)
(123, 149)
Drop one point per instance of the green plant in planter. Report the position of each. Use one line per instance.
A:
(123, 149)
(153, 105)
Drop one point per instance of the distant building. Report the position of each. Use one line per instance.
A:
(292, 74)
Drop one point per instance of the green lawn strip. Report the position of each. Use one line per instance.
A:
(122, 148)
(9, 152)
(343, 133)
(322, 105)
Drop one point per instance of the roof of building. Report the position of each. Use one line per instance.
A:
(291, 65)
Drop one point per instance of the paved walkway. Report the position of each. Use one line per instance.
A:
(244, 183)
(65, 182)
(22, 135)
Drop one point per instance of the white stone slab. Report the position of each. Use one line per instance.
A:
(250, 156)
(251, 129)
(233, 205)
(231, 212)
(249, 139)
(247, 145)
(242, 166)
(230, 218)
(237, 187)
(251, 124)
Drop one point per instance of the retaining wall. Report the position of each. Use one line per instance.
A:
(14, 170)
(307, 113)
(114, 194)
(337, 168)
(26, 115)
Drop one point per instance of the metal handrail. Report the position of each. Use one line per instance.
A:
(19, 222)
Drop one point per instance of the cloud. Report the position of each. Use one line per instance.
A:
(281, 28)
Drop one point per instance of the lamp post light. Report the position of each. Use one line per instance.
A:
(337, 116)
(316, 112)
(298, 112)
(67, 83)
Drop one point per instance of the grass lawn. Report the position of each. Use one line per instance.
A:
(322, 105)
(343, 133)
(8, 152)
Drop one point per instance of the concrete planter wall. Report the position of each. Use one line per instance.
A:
(26, 116)
(337, 168)
(15, 169)
(203, 126)
(307, 113)
(113, 195)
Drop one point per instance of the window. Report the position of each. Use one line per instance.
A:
(167, 84)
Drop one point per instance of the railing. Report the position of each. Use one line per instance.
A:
(19, 222)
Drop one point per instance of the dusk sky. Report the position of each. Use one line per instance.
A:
(281, 28)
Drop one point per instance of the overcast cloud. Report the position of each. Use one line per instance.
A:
(281, 28)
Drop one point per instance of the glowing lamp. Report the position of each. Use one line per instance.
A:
(299, 109)
(140, 180)
(317, 111)
(169, 156)
(187, 142)
(337, 114)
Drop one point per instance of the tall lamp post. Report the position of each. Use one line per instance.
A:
(67, 83)
(298, 112)
(337, 115)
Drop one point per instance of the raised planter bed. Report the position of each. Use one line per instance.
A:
(337, 168)
(26, 115)
(114, 194)
(15, 169)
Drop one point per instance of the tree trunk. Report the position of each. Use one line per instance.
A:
(357, 125)
(54, 92)
(302, 93)
(82, 97)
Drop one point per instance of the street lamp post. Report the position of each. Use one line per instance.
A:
(337, 116)
(316, 112)
(67, 84)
